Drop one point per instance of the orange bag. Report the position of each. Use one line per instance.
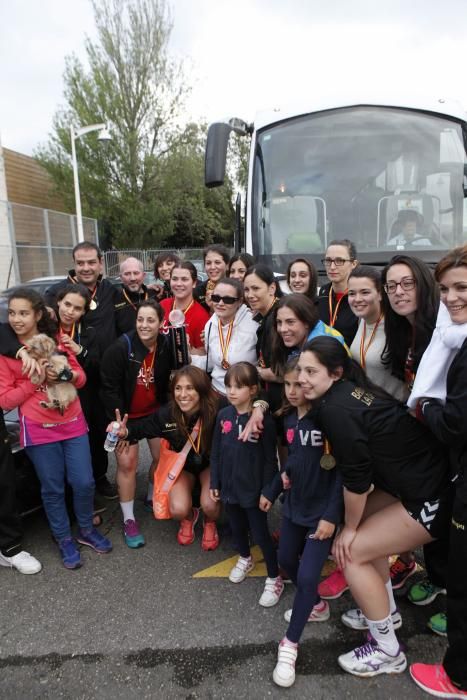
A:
(167, 472)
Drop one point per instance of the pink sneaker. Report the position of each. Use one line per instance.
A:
(433, 679)
(333, 586)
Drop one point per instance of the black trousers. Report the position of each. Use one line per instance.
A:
(455, 660)
(10, 523)
(95, 415)
(436, 555)
(245, 520)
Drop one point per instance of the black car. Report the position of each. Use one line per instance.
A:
(28, 492)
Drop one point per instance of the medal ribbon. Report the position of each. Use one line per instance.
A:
(185, 311)
(333, 315)
(225, 343)
(363, 349)
(147, 371)
(129, 300)
(196, 446)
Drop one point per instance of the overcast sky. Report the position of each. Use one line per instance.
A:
(243, 55)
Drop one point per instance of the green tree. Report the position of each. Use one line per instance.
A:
(135, 86)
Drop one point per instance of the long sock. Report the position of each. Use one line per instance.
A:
(150, 491)
(392, 602)
(383, 633)
(127, 510)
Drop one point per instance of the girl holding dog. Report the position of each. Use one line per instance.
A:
(55, 440)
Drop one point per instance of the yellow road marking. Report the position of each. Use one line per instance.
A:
(222, 568)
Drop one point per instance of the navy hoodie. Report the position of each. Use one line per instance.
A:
(241, 470)
(315, 493)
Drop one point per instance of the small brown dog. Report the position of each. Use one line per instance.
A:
(60, 394)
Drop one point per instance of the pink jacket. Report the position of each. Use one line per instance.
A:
(17, 391)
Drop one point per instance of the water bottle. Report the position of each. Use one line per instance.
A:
(112, 438)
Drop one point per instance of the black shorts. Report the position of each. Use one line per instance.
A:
(434, 515)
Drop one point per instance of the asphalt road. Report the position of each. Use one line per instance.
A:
(136, 624)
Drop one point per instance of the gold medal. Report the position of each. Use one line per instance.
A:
(92, 305)
(225, 364)
(327, 462)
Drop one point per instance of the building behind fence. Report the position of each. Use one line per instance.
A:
(36, 237)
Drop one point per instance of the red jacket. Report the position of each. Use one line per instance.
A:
(17, 391)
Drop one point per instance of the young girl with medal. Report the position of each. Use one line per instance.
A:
(183, 279)
(333, 304)
(134, 374)
(240, 474)
(192, 408)
(396, 493)
(312, 508)
(229, 335)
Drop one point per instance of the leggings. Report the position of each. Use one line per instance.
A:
(242, 520)
(303, 558)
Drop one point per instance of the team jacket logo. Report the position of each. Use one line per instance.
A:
(428, 513)
(313, 438)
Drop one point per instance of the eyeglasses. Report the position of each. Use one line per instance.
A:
(216, 299)
(407, 283)
(338, 262)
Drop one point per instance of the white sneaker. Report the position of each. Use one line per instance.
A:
(243, 566)
(24, 562)
(369, 660)
(319, 613)
(273, 589)
(284, 672)
(356, 620)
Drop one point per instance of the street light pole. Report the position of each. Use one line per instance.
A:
(104, 135)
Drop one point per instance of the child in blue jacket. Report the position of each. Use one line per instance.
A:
(311, 511)
(240, 472)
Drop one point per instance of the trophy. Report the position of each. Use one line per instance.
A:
(177, 339)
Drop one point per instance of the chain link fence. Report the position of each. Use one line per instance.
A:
(42, 239)
(113, 258)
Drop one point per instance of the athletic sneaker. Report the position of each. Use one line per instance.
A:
(433, 679)
(369, 660)
(424, 593)
(94, 539)
(333, 586)
(439, 624)
(71, 557)
(273, 589)
(133, 537)
(319, 613)
(356, 620)
(284, 672)
(23, 562)
(186, 531)
(243, 566)
(210, 539)
(400, 571)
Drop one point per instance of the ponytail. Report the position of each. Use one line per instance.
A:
(334, 356)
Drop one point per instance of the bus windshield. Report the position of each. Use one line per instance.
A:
(388, 179)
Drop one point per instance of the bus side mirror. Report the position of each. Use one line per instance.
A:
(216, 154)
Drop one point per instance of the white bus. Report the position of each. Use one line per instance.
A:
(389, 175)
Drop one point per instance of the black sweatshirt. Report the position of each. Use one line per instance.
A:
(120, 367)
(315, 493)
(346, 321)
(241, 470)
(449, 422)
(162, 424)
(126, 303)
(375, 440)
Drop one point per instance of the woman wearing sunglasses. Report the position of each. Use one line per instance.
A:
(333, 305)
(229, 335)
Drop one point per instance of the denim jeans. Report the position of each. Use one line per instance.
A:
(57, 462)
